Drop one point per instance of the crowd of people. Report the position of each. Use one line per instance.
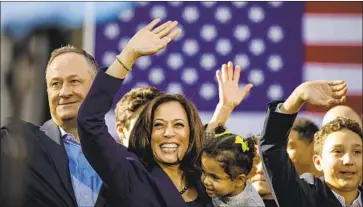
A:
(166, 156)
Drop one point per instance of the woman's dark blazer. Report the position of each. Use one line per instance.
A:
(127, 181)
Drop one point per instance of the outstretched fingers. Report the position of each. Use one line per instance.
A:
(166, 30)
(171, 36)
(224, 73)
(152, 24)
(236, 73)
(341, 92)
(230, 70)
(161, 27)
(338, 86)
(246, 89)
(219, 77)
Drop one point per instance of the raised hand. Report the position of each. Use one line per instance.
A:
(319, 93)
(229, 92)
(150, 40)
(323, 93)
(147, 41)
(230, 95)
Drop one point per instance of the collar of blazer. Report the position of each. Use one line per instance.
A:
(311, 179)
(171, 196)
(52, 131)
(58, 154)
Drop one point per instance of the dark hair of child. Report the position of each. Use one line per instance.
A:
(233, 152)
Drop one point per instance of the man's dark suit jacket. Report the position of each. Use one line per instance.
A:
(47, 177)
(130, 182)
(288, 188)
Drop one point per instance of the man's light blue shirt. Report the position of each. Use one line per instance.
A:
(85, 181)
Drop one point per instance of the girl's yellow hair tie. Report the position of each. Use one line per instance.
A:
(244, 144)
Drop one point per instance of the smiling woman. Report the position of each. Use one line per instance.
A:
(159, 168)
(163, 134)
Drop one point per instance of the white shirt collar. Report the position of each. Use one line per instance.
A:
(357, 201)
(62, 131)
(69, 136)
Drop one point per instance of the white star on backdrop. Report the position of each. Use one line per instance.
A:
(242, 60)
(242, 32)
(223, 46)
(256, 77)
(190, 47)
(127, 15)
(208, 32)
(208, 61)
(275, 33)
(108, 58)
(112, 31)
(208, 4)
(190, 75)
(257, 47)
(207, 91)
(190, 14)
(275, 3)
(156, 76)
(175, 3)
(223, 14)
(158, 12)
(175, 60)
(274, 92)
(174, 88)
(239, 4)
(256, 14)
(143, 62)
(275, 63)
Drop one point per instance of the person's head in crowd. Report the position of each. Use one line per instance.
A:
(300, 145)
(257, 175)
(342, 111)
(338, 154)
(226, 161)
(129, 107)
(168, 133)
(69, 74)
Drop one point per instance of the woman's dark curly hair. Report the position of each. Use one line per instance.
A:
(140, 137)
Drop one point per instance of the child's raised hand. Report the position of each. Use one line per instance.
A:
(230, 94)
